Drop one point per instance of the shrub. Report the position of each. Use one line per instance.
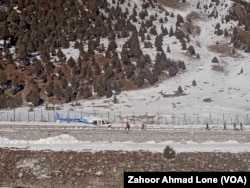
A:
(241, 71)
(169, 152)
(179, 90)
(191, 50)
(194, 83)
(182, 65)
(139, 80)
(172, 71)
(34, 98)
(115, 100)
(215, 60)
(207, 100)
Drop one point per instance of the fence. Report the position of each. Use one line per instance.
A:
(43, 115)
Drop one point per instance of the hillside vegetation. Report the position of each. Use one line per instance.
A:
(60, 51)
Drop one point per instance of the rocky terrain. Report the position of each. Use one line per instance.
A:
(40, 169)
(37, 169)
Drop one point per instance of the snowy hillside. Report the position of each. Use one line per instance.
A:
(215, 81)
(223, 82)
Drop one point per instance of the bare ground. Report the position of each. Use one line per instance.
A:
(24, 168)
(103, 169)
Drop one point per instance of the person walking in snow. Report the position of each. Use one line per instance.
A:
(207, 127)
(234, 125)
(241, 127)
(143, 127)
(225, 125)
(127, 126)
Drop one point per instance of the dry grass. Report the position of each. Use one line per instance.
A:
(245, 35)
(225, 49)
(241, 12)
(171, 3)
(191, 28)
(176, 94)
(193, 15)
(128, 85)
(218, 68)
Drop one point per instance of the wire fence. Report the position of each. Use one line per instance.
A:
(48, 115)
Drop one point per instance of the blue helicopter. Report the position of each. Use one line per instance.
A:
(69, 119)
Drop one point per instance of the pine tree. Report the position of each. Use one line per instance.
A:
(112, 46)
(168, 49)
(194, 83)
(60, 55)
(179, 90)
(58, 91)
(158, 43)
(71, 62)
(33, 97)
(171, 32)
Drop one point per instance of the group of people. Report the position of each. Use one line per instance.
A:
(143, 126)
(127, 128)
(234, 125)
(225, 126)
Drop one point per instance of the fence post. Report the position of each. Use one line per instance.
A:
(41, 119)
(198, 119)
(54, 114)
(134, 117)
(121, 119)
(184, 119)
(14, 117)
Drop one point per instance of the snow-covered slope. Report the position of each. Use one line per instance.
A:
(226, 83)
(223, 83)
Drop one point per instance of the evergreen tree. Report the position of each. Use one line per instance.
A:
(194, 83)
(71, 62)
(158, 42)
(171, 31)
(33, 97)
(134, 44)
(138, 80)
(60, 55)
(57, 92)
